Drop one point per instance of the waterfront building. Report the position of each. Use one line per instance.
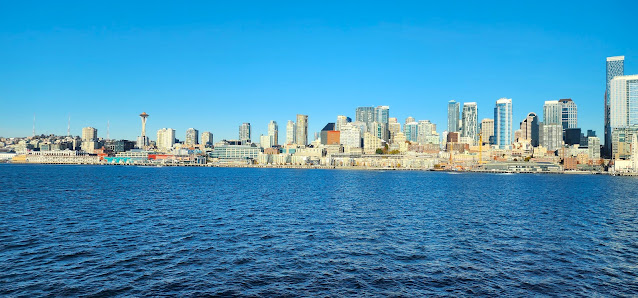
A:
(273, 133)
(487, 131)
(621, 141)
(192, 137)
(207, 139)
(552, 112)
(226, 151)
(551, 136)
(469, 126)
(302, 130)
(569, 113)
(615, 67)
(244, 132)
(453, 116)
(503, 123)
(530, 129)
(291, 132)
(165, 139)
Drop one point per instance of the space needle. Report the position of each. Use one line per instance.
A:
(142, 141)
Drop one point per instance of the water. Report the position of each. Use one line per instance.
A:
(106, 230)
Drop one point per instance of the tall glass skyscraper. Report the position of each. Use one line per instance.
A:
(453, 116)
(503, 123)
(569, 113)
(470, 121)
(615, 67)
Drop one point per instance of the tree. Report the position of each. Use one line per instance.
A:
(379, 151)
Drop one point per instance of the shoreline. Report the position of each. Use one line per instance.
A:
(319, 167)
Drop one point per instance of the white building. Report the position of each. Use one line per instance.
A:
(301, 137)
(341, 122)
(207, 139)
(165, 139)
(487, 130)
(350, 136)
(244, 132)
(569, 113)
(551, 136)
(192, 137)
(273, 133)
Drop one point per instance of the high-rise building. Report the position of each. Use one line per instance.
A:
(244, 132)
(469, 128)
(273, 133)
(593, 148)
(192, 137)
(365, 114)
(569, 113)
(552, 112)
(291, 132)
(530, 129)
(207, 139)
(551, 136)
(302, 130)
(615, 67)
(411, 131)
(382, 116)
(453, 116)
(623, 114)
(409, 119)
(503, 123)
(165, 139)
(623, 101)
(89, 134)
(487, 131)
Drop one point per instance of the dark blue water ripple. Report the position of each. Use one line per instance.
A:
(108, 231)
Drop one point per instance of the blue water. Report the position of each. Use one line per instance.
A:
(111, 230)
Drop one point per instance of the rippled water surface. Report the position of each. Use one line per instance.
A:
(106, 230)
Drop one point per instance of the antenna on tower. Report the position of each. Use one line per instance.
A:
(108, 128)
(34, 124)
(68, 128)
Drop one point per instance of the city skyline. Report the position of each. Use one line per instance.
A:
(408, 58)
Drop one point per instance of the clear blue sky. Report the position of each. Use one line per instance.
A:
(213, 65)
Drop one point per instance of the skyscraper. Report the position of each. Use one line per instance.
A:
(503, 123)
(623, 114)
(530, 129)
(273, 133)
(470, 121)
(365, 115)
(615, 67)
(569, 113)
(623, 101)
(382, 116)
(551, 136)
(192, 137)
(302, 130)
(207, 139)
(394, 127)
(291, 132)
(552, 112)
(244, 132)
(453, 116)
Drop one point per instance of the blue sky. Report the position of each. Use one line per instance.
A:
(212, 65)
